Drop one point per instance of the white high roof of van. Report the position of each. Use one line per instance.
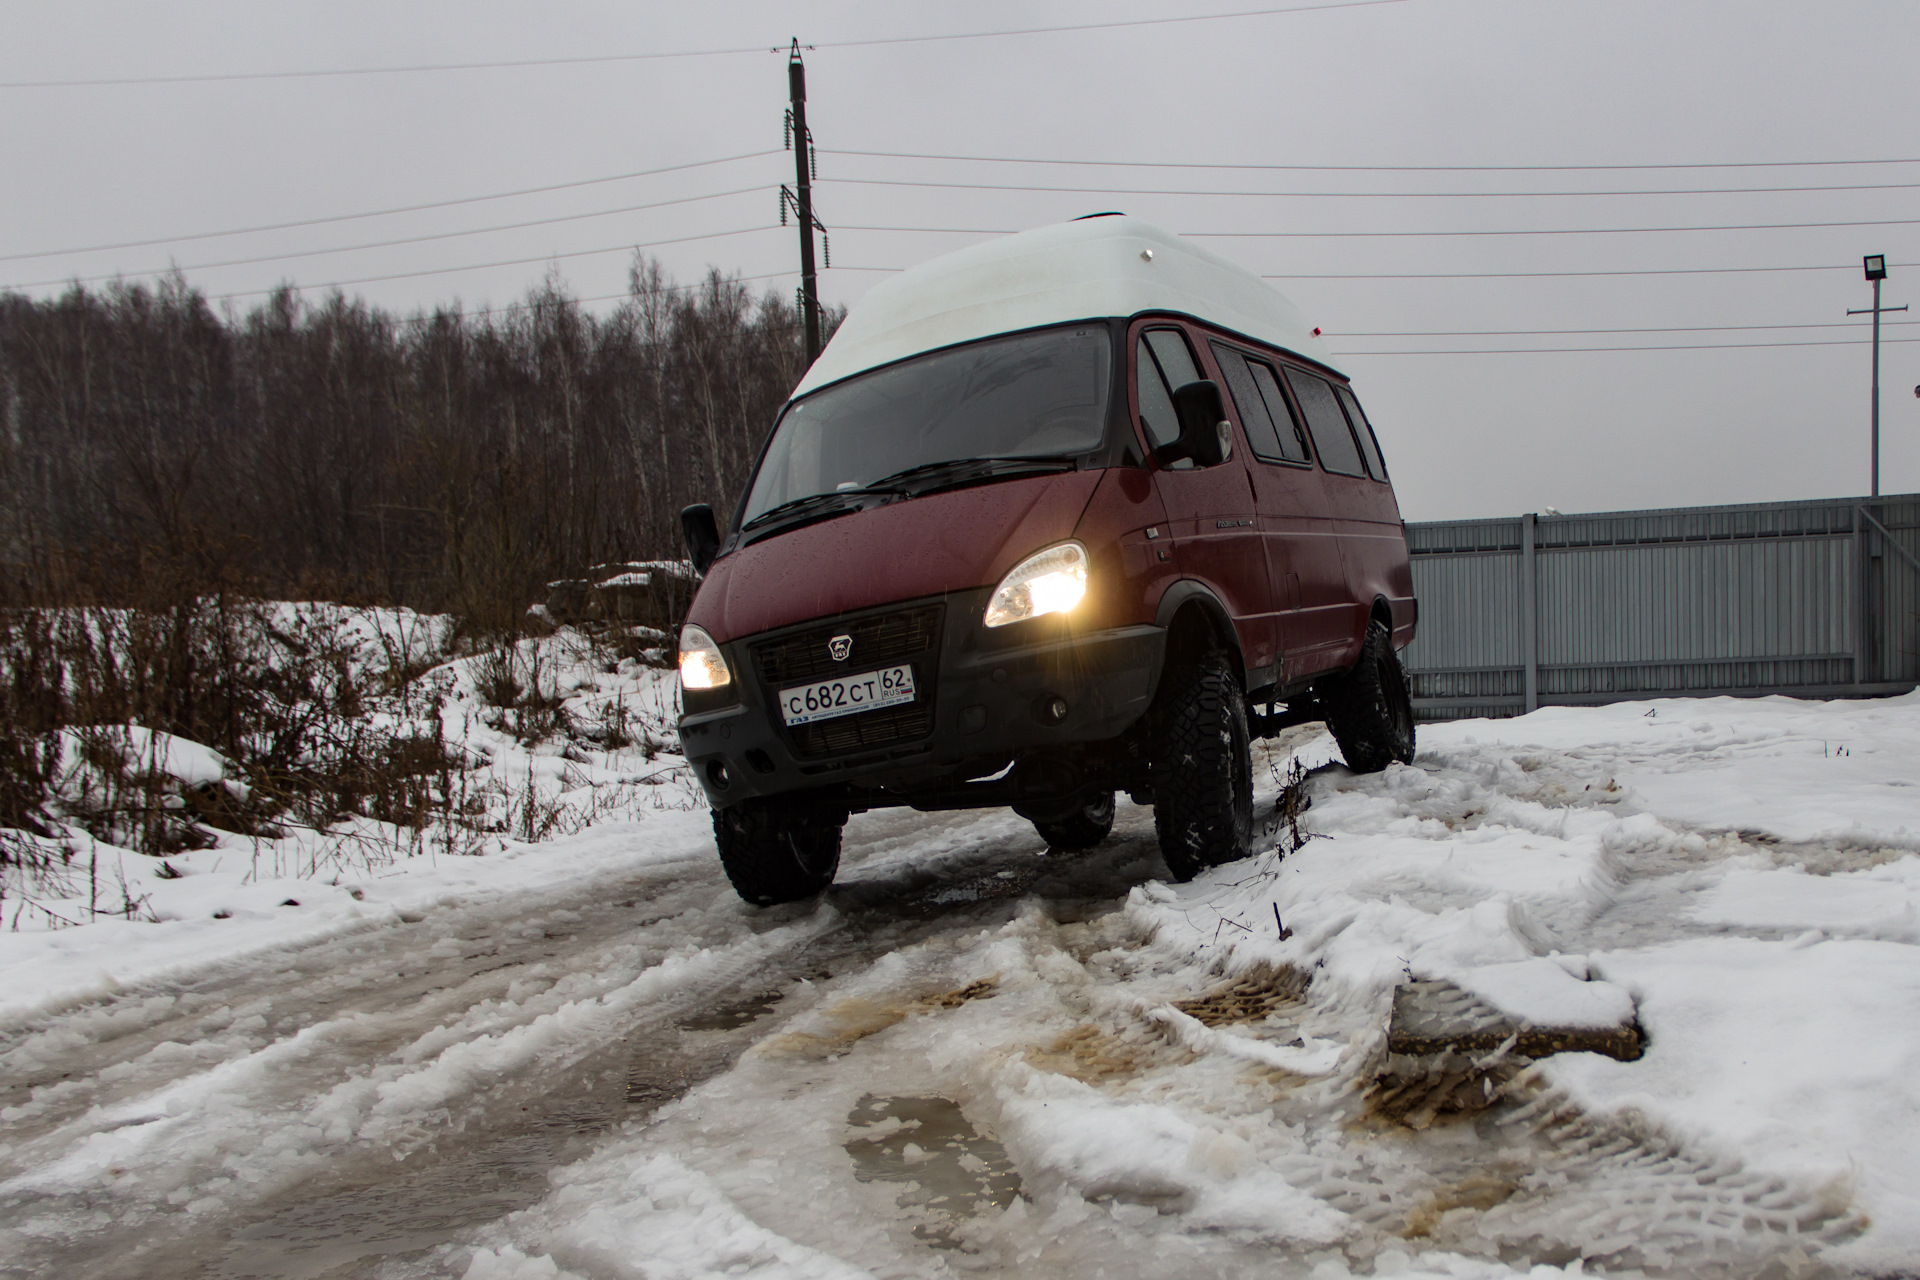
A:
(1088, 269)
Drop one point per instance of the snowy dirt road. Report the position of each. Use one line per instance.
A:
(974, 1057)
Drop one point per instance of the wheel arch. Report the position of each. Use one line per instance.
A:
(1381, 612)
(1196, 621)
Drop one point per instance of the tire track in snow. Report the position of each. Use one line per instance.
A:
(415, 1040)
(1527, 1183)
(428, 1074)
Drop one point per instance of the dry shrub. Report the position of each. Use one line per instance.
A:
(286, 695)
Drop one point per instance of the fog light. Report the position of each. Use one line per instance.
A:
(718, 775)
(1050, 709)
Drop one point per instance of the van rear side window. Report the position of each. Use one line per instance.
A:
(1364, 430)
(1332, 439)
(1271, 429)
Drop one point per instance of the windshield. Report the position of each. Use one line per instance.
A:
(1029, 395)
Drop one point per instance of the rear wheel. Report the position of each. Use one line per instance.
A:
(1202, 768)
(780, 848)
(1369, 708)
(1084, 828)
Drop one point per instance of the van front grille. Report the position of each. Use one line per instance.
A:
(877, 641)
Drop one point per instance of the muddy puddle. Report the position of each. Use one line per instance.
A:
(950, 1172)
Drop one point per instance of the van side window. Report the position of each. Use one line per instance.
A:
(1170, 347)
(1364, 430)
(1293, 441)
(1246, 397)
(1332, 440)
(1161, 364)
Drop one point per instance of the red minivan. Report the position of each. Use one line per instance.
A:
(1077, 511)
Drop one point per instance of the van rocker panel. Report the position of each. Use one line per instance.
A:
(986, 692)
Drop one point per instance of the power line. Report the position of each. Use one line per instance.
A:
(1514, 333)
(507, 262)
(1538, 275)
(381, 213)
(755, 155)
(1696, 346)
(592, 59)
(1554, 231)
(1355, 195)
(608, 297)
(1504, 275)
(1378, 235)
(658, 204)
(387, 244)
(1367, 168)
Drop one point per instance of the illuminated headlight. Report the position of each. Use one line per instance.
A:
(702, 666)
(1049, 581)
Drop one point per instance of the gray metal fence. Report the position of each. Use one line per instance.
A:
(1814, 599)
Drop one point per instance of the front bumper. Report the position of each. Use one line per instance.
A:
(982, 699)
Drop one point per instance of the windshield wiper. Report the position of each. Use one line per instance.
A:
(797, 507)
(928, 477)
(833, 502)
(931, 476)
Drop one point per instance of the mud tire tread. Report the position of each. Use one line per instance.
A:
(778, 850)
(1203, 769)
(1082, 829)
(1369, 708)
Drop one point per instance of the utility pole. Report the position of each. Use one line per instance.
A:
(1875, 265)
(800, 200)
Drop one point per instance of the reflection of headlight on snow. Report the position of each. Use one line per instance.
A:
(702, 666)
(1049, 581)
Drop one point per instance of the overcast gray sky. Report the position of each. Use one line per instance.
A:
(1516, 86)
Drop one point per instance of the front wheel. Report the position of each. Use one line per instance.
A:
(1202, 769)
(1369, 708)
(1084, 828)
(780, 848)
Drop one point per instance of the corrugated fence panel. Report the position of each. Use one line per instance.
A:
(1469, 611)
(1632, 604)
(1688, 602)
(1894, 599)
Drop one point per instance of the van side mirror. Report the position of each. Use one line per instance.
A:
(702, 535)
(1205, 434)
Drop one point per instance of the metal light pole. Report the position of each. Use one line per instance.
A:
(1875, 265)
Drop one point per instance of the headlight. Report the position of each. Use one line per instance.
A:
(701, 664)
(1049, 581)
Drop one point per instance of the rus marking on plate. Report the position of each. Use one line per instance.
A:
(840, 648)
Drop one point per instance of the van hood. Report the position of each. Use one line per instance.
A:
(952, 541)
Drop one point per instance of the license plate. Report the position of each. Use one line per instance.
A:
(847, 695)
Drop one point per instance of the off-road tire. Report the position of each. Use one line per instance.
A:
(1369, 708)
(1084, 828)
(778, 849)
(1202, 768)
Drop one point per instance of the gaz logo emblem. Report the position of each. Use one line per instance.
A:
(840, 647)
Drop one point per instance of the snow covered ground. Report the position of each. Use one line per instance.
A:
(584, 1058)
(246, 893)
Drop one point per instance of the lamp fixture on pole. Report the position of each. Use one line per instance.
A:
(1875, 267)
